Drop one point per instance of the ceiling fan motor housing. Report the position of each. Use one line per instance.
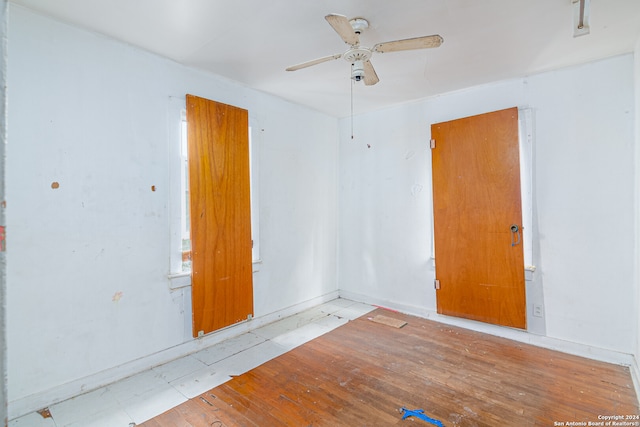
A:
(357, 56)
(357, 53)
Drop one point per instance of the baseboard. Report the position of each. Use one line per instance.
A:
(590, 352)
(635, 377)
(37, 401)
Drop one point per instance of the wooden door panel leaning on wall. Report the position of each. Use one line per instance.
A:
(220, 206)
(478, 218)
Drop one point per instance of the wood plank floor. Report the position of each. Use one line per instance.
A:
(362, 373)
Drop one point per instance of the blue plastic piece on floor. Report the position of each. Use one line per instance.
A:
(419, 413)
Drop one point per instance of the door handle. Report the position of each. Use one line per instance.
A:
(515, 235)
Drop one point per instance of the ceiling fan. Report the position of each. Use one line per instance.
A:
(359, 56)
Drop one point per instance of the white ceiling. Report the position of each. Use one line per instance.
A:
(253, 41)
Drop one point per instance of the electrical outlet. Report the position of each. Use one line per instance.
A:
(537, 310)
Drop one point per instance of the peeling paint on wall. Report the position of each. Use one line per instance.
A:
(117, 296)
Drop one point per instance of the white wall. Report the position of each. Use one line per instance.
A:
(3, 260)
(585, 187)
(93, 115)
(583, 177)
(637, 211)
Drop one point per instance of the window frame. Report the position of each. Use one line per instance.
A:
(180, 276)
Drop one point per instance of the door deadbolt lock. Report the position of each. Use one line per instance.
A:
(514, 228)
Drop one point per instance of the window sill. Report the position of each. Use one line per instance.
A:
(183, 279)
(179, 280)
(528, 272)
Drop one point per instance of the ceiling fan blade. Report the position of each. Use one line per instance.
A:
(370, 76)
(314, 62)
(409, 44)
(341, 24)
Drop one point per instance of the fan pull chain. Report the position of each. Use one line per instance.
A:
(352, 83)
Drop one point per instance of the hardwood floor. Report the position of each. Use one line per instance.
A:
(362, 373)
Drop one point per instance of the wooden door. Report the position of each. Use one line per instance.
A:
(220, 206)
(476, 198)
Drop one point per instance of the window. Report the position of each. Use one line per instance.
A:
(180, 265)
(254, 147)
(185, 235)
(525, 131)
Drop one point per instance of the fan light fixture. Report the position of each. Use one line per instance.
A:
(357, 70)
